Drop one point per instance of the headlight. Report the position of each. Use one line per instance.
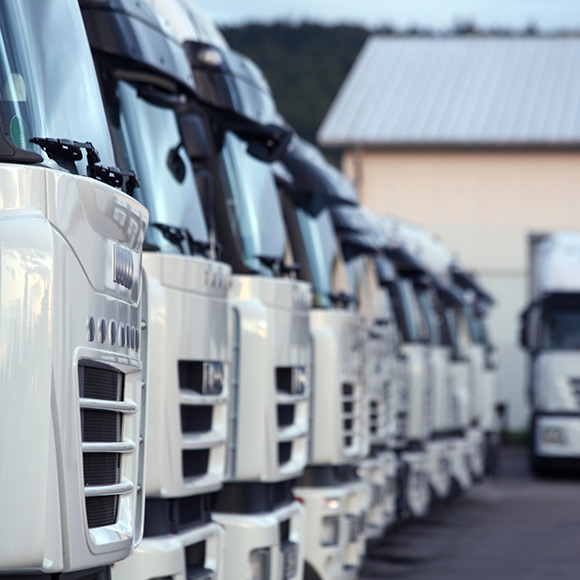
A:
(260, 564)
(299, 381)
(554, 436)
(330, 531)
(213, 378)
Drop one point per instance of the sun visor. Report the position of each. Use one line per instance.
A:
(130, 32)
(386, 272)
(316, 183)
(405, 263)
(356, 243)
(467, 281)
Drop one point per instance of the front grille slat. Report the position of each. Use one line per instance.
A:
(101, 392)
(350, 415)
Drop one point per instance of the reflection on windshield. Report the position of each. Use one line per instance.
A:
(431, 316)
(475, 323)
(411, 311)
(48, 88)
(146, 135)
(560, 329)
(321, 250)
(253, 204)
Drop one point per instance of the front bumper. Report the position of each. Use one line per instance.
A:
(175, 556)
(247, 533)
(439, 468)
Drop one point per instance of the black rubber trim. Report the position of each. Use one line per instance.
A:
(327, 475)
(102, 573)
(251, 497)
(171, 516)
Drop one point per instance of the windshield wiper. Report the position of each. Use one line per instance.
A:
(278, 267)
(65, 151)
(342, 299)
(291, 270)
(177, 236)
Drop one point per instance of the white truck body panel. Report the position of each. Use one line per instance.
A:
(64, 312)
(271, 318)
(187, 322)
(338, 420)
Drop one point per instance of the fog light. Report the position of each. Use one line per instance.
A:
(554, 436)
(260, 564)
(330, 530)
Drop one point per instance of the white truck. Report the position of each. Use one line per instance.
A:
(414, 498)
(483, 432)
(235, 118)
(551, 335)
(185, 339)
(362, 242)
(70, 299)
(335, 497)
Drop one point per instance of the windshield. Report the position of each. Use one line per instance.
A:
(254, 211)
(144, 136)
(560, 328)
(48, 88)
(321, 251)
(431, 316)
(416, 331)
(475, 323)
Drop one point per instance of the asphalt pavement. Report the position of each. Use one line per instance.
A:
(512, 527)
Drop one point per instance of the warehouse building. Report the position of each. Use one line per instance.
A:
(478, 140)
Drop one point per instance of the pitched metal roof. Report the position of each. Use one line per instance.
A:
(459, 91)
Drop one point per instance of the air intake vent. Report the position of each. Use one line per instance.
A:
(195, 462)
(351, 410)
(102, 410)
(292, 392)
(284, 452)
(101, 511)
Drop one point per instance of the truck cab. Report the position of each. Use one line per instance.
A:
(70, 300)
(415, 497)
(483, 431)
(234, 117)
(331, 489)
(143, 72)
(362, 243)
(550, 335)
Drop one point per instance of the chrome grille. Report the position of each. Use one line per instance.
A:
(102, 409)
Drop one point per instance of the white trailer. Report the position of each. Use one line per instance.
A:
(551, 336)
(70, 299)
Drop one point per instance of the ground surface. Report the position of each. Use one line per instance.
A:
(513, 527)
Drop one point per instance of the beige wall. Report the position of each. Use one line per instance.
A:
(482, 205)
